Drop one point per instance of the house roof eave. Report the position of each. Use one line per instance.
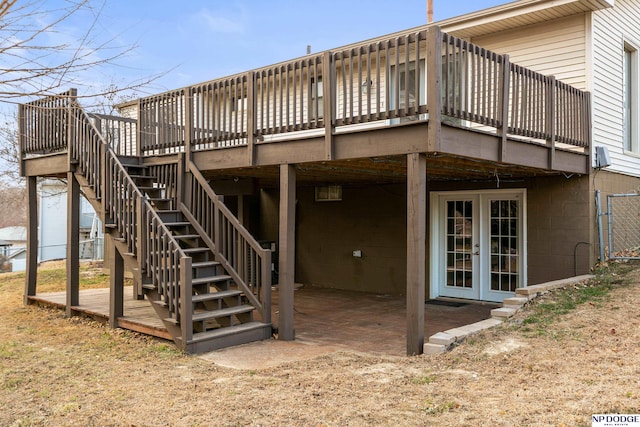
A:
(516, 14)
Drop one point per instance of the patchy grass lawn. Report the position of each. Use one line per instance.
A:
(569, 354)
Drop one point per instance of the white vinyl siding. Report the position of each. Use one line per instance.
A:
(555, 48)
(614, 29)
(630, 98)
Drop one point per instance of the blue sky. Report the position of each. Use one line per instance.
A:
(192, 41)
(202, 40)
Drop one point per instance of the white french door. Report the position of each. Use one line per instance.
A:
(478, 241)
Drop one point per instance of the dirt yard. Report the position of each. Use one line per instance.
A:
(569, 355)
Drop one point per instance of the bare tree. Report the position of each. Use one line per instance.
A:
(45, 50)
(9, 153)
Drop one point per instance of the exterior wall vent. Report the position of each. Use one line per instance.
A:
(329, 193)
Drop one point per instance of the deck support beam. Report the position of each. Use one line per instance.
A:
(287, 221)
(116, 283)
(32, 239)
(73, 243)
(416, 242)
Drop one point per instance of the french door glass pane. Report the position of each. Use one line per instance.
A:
(459, 243)
(505, 241)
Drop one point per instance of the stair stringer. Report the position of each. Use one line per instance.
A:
(130, 261)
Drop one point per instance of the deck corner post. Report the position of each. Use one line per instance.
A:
(116, 283)
(328, 73)
(416, 252)
(551, 120)
(142, 234)
(434, 87)
(252, 106)
(188, 123)
(286, 239)
(503, 108)
(32, 239)
(265, 280)
(186, 304)
(73, 243)
(139, 129)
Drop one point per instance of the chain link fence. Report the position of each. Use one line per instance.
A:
(624, 226)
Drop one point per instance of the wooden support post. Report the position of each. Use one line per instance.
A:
(287, 251)
(329, 89)
(32, 239)
(141, 255)
(503, 108)
(116, 282)
(551, 121)
(434, 87)
(251, 117)
(188, 124)
(139, 133)
(186, 302)
(416, 241)
(73, 243)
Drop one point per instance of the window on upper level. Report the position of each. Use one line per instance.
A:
(630, 95)
(403, 83)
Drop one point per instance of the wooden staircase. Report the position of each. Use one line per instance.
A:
(210, 288)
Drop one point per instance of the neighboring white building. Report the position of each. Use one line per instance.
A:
(14, 246)
(52, 230)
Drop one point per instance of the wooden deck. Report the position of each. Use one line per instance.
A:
(139, 315)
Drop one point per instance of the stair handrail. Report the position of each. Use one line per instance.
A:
(94, 156)
(242, 256)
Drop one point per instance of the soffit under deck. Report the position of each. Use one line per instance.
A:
(383, 170)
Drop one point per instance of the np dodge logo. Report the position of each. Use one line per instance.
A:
(615, 420)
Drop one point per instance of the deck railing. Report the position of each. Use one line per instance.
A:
(119, 132)
(44, 124)
(239, 253)
(373, 82)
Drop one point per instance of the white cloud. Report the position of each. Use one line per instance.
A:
(218, 23)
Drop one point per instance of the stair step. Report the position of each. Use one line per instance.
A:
(205, 264)
(195, 250)
(210, 279)
(177, 224)
(229, 311)
(169, 215)
(215, 296)
(134, 176)
(225, 332)
(186, 236)
(130, 160)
